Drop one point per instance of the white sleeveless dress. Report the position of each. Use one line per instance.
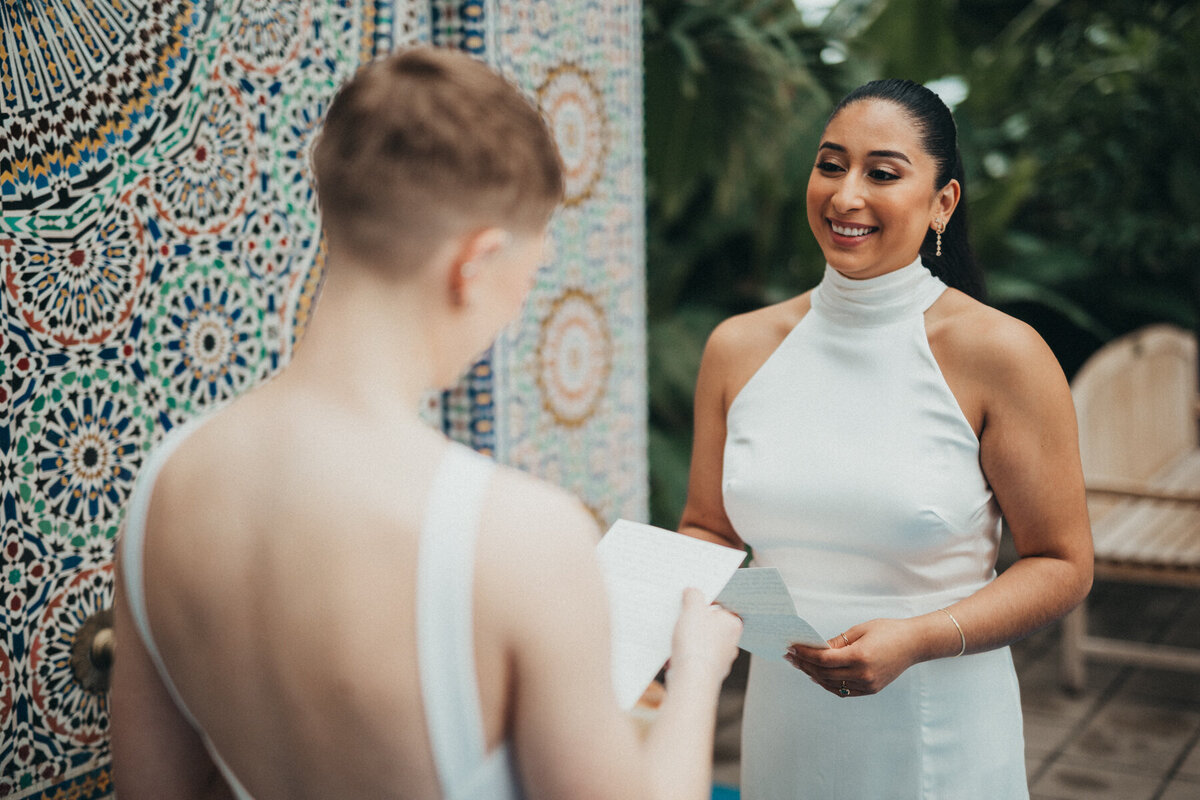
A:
(445, 623)
(850, 467)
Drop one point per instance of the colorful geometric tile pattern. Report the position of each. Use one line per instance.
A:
(569, 377)
(562, 393)
(464, 24)
(158, 241)
(159, 254)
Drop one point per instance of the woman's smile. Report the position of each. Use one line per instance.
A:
(848, 234)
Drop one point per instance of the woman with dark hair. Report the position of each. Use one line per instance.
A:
(865, 438)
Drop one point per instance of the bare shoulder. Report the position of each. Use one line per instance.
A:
(741, 344)
(535, 559)
(533, 520)
(224, 438)
(765, 327)
(195, 471)
(974, 339)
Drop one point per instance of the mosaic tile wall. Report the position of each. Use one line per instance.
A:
(570, 386)
(563, 392)
(159, 254)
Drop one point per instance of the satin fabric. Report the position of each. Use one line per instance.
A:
(850, 467)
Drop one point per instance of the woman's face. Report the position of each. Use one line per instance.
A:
(871, 195)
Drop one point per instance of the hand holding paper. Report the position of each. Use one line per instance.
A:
(645, 571)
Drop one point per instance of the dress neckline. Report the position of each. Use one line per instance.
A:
(882, 300)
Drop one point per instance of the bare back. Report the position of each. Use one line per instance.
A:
(281, 570)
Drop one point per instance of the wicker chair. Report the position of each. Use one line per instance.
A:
(1138, 407)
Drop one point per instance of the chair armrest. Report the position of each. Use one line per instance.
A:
(1139, 491)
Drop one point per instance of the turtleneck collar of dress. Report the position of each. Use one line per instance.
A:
(882, 300)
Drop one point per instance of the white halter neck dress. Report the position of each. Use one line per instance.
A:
(850, 467)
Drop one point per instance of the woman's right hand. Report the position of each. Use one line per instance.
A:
(706, 637)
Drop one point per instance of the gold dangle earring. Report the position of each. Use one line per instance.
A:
(938, 227)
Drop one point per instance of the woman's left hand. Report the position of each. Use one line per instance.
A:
(861, 661)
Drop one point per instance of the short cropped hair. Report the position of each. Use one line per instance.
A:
(425, 144)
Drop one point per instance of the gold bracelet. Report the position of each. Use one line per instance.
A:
(961, 636)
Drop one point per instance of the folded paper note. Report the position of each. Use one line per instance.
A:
(770, 623)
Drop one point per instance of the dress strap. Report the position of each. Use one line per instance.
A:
(132, 546)
(133, 540)
(445, 618)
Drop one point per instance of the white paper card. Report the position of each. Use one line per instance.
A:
(645, 571)
(770, 623)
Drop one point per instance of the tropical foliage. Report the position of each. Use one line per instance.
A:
(1080, 126)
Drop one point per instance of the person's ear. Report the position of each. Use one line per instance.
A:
(946, 200)
(472, 254)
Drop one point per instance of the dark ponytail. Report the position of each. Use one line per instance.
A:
(956, 266)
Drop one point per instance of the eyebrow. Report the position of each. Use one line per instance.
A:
(876, 153)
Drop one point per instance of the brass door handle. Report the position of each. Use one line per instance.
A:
(92, 651)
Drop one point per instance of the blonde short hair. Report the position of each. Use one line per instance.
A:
(425, 144)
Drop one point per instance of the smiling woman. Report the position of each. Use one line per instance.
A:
(864, 439)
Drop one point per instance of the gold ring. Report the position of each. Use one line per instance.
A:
(844, 691)
(844, 639)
